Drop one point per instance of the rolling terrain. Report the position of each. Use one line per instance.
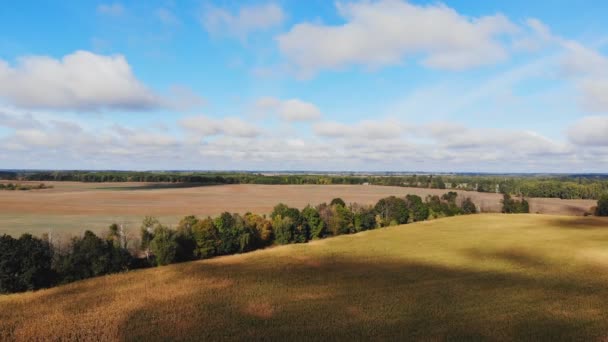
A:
(489, 276)
(72, 207)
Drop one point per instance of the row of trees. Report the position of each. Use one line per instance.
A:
(228, 233)
(30, 263)
(11, 186)
(565, 187)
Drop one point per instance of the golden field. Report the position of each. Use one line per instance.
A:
(488, 276)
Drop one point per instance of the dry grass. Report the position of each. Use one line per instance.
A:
(73, 207)
(499, 277)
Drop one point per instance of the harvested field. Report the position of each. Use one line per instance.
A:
(73, 207)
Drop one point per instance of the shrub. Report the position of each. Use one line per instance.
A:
(602, 206)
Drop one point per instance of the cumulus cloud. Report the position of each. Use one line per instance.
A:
(79, 81)
(204, 126)
(115, 9)
(590, 131)
(291, 110)
(385, 32)
(249, 19)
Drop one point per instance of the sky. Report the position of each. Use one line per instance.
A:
(389, 85)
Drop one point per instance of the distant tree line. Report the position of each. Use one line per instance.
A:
(30, 263)
(565, 187)
(11, 186)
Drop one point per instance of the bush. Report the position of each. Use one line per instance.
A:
(602, 206)
(468, 207)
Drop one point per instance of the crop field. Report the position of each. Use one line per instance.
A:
(500, 277)
(72, 207)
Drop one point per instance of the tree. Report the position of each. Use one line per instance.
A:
(283, 229)
(602, 206)
(184, 237)
(207, 238)
(91, 256)
(337, 201)
(341, 220)
(148, 225)
(314, 221)
(392, 210)
(262, 226)
(300, 231)
(164, 245)
(419, 211)
(25, 264)
(468, 207)
(364, 217)
(511, 206)
(228, 235)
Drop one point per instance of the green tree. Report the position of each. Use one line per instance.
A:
(337, 201)
(91, 256)
(186, 243)
(283, 229)
(419, 211)
(207, 238)
(602, 206)
(148, 225)
(364, 218)
(392, 210)
(164, 245)
(468, 207)
(25, 264)
(314, 221)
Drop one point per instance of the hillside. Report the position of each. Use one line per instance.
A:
(478, 276)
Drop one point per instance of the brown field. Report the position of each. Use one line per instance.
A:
(73, 207)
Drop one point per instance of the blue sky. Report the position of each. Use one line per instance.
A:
(305, 85)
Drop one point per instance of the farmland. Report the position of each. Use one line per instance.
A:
(72, 207)
(503, 277)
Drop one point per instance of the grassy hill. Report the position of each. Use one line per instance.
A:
(479, 276)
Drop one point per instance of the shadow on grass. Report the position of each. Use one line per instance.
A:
(156, 186)
(342, 299)
(514, 257)
(590, 222)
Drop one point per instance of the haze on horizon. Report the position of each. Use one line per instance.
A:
(392, 85)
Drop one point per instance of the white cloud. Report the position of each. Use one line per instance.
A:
(79, 81)
(292, 110)
(205, 127)
(249, 19)
(589, 70)
(385, 32)
(115, 9)
(590, 131)
(367, 129)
